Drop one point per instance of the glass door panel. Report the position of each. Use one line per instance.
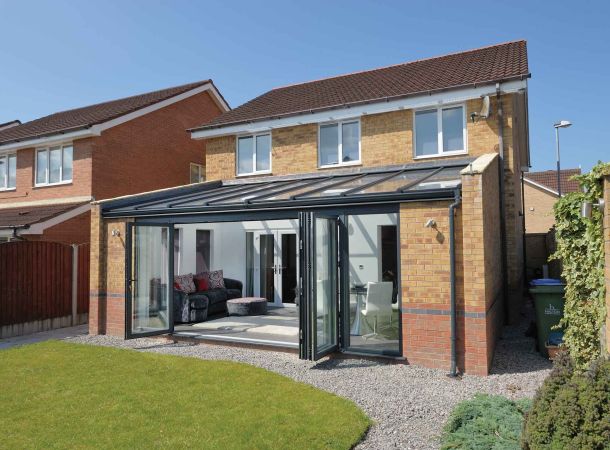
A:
(149, 271)
(324, 301)
(266, 264)
(288, 267)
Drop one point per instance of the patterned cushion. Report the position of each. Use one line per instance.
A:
(216, 279)
(185, 283)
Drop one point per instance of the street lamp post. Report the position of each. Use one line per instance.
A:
(558, 125)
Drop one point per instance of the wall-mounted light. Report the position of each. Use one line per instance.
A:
(430, 223)
(587, 208)
(115, 233)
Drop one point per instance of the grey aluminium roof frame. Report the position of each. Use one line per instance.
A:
(323, 190)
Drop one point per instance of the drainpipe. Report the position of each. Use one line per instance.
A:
(453, 372)
(502, 202)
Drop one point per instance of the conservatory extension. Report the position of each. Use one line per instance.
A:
(382, 262)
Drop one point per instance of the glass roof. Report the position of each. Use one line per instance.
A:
(415, 181)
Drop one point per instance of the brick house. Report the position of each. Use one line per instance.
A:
(376, 213)
(52, 167)
(540, 194)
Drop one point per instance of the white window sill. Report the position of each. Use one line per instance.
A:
(442, 155)
(265, 172)
(61, 183)
(334, 166)
(8, 189)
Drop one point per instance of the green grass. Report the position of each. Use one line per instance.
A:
(61, 395)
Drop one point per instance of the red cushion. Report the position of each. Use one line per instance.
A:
(202, 284)
(177, 287)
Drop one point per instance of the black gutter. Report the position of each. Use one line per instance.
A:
(453, 371)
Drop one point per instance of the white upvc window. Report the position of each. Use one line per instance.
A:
(440, 131)
(197, 173)
(254, 154)
(54, 165)
(339, 143)
(8, 172)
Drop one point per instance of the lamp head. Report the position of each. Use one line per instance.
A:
(563, 124)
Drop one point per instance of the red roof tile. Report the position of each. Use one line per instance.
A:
(80, 118)
(548, 179)
(474, 67)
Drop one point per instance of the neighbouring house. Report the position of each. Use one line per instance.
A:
(374, 213)
(51, 168)
(540, 194)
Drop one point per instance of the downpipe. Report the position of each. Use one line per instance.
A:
(453, 373)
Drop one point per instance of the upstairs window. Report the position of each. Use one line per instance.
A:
(197, 173)
(54, 165)
(440, 131)
(339, 143)
(8, 172)
(254, 154)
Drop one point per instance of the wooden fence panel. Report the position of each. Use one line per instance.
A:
(36, 281)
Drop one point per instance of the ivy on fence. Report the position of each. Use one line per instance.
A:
(580, 247)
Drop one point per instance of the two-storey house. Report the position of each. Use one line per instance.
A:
(374, 213)
(51, 168)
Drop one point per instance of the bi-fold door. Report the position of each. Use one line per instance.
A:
(148, 274)
(319, 314)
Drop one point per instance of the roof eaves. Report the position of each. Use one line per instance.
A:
(358, 103)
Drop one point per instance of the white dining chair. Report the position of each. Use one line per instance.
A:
(378, 304)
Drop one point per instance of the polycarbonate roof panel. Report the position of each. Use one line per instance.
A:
(251, 194)
(398, 181)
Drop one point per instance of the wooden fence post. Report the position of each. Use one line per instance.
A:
(74, 283)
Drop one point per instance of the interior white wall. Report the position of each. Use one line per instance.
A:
(365, 246)
(228, 244)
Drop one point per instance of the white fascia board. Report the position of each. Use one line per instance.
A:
(414, 102)
(47, 140)
(38, 228)
(540, 186)
(96, 130)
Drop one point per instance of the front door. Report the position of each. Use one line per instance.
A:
(275, 266)
(148, 286)
(320, 287)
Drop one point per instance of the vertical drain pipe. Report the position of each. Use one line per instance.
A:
(453, 372)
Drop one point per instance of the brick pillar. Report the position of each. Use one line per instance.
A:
(97, 274)
(606, 188)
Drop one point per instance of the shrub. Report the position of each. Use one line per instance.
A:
(580, 247)
(571, 409)
(485, 422)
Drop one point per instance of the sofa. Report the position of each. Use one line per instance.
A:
(199, 305)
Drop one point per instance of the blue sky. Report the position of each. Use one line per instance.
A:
(56, 55)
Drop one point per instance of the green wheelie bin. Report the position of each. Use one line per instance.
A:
(549, 300)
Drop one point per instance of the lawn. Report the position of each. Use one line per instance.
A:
(61, 395)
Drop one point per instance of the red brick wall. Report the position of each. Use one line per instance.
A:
(153, 151)
(25, 190)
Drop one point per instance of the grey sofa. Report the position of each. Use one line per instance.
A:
(197, 306)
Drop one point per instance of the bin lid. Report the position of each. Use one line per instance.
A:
(547, 282)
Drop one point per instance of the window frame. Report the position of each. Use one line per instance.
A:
(340, 162)
(254, 153)
(201, 169)
(47, 150)
(439, 123)
(7, 157)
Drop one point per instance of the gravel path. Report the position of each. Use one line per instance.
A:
(409, 404)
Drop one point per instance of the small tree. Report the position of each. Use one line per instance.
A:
(580, 247)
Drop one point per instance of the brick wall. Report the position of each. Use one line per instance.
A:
(539, 217)
(425, 276)
(153, 151)
(25, 190)
(107, 276)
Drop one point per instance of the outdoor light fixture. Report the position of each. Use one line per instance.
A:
(116, 233)
(587, 208)
(430, 223)
(558, 125)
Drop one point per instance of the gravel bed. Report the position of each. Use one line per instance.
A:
(408, 404)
